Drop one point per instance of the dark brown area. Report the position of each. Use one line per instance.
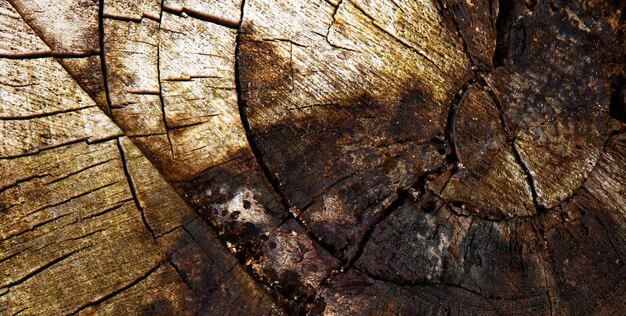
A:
(309, 158)
(545, 89)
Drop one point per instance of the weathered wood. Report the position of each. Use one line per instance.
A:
(69, 28)
(88, 225)
(295, 156)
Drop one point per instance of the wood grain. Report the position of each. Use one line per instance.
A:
(312, 157)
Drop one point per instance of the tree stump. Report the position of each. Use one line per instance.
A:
(313, 157)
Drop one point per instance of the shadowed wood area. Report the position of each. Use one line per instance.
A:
(337, 157)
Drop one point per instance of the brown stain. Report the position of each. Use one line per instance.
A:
(265, 73)
(351, 121)
(214, 188)
(306, 153)
(387, 124)
(541, 271)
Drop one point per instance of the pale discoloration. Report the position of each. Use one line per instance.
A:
(243, 208)
(290, 259)
(66, 26)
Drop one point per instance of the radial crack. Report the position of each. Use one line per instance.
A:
(529, 178)
(511, 137)
(133, 190)
(118, 291)
(103, 67)
(160, 92)
(43, 267)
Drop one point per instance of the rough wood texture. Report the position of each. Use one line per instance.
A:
(312, 157)
(88, 225)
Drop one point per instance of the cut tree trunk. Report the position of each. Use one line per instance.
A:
(312, 157)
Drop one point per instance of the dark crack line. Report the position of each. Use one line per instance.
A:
(17, 182)
(183, 276)
(503, 30)
(278, 40)
(145, 135)
(129, 19)
(274, 293)
(421, 283)
(73, 173)
(44, 267)
(244, 116)
(550, 265)
(37, 225)
(103, 66)
(332, 4)
(412, 284)
(44, 115)
(454, 209)
(330, 26)
(267, 173)
(160, 93)
(452, 157)
(88, 234)
(529, 178)
(511, 137)
(133, 190)
(511, 134)
(48, 54)
(188, 125)
(73, 198)
(399, 40)
(119, 205)
(419, 187)
(595, 167)
(118, 291)
(256, 153)
(202, 17)
(403, 194)
(272, 179)
(19, 312)
(444, 8)
(20, 252)
(52, 54)
(392, 208)
(53, 147)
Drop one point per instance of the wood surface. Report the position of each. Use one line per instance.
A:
(340, 157)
